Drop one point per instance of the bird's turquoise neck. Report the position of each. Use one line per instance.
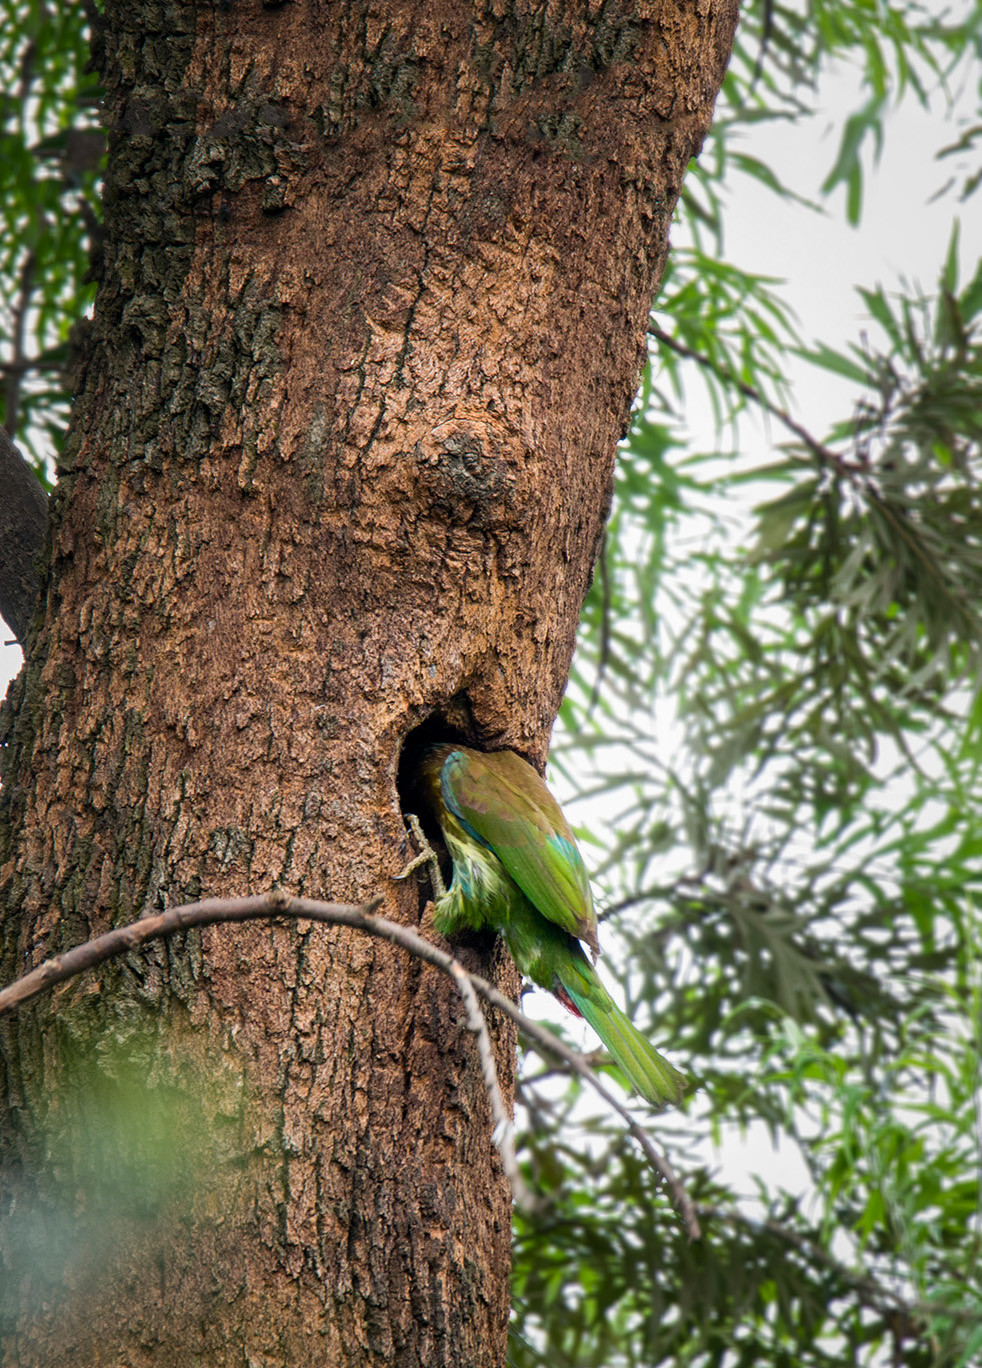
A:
(480, 894)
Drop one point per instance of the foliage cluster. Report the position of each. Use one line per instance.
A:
(51, 148)
(781, 710)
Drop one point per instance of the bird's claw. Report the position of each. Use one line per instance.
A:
(427, 856)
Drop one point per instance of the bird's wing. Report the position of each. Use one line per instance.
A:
(506, 805)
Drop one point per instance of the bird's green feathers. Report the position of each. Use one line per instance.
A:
(648, 1072)
(516, 868)
(501, 800)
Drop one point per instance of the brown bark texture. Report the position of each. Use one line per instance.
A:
(375, 288)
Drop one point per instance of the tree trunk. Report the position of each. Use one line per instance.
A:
(375, 287)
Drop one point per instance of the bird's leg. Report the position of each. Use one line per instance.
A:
(427, 856)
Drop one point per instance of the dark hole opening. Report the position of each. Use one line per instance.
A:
(432, 730)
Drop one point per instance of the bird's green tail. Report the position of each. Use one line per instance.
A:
(651, 1075)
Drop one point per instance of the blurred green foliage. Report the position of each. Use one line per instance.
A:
(51, 148)
(131, 1152)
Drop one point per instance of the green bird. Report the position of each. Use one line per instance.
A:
(517, 870)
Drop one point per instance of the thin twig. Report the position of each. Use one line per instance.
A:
(870, 1291)
(544, 1040)
(32, 363)
(825, 455)
(212, 911)
(656, 891)
(504, 1130)
(18, 324)
(603, 658)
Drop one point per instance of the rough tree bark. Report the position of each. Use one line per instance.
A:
(376, 281)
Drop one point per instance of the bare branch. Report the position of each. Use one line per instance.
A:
(504, 1129)
(823, 454)
(18, 324)
(23, 520)
(869, 1290)
(212, 911)
(603, 656)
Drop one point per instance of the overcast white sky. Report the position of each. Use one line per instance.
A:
(902, 234)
